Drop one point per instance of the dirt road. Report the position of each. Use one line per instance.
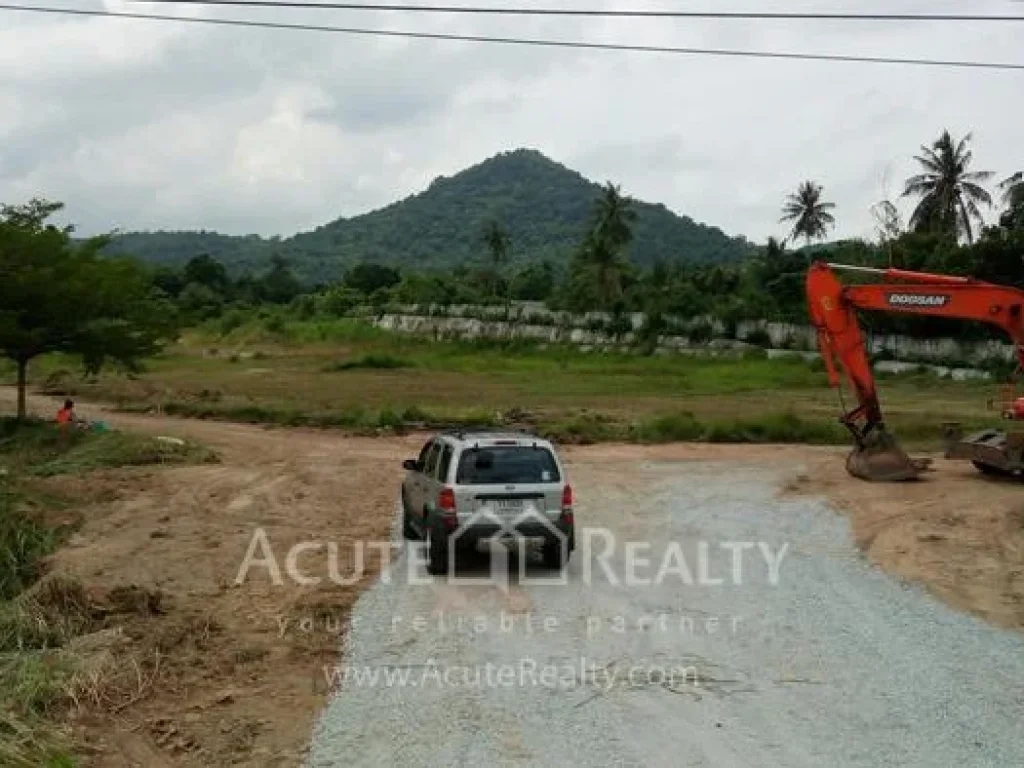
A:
(832, 663)
(227, 669)
(835, 663)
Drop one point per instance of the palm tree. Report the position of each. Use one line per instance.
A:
(499, 243)
(610, 232)
(810, 216)
(613, 217)
(949, 193)
(1013, 199)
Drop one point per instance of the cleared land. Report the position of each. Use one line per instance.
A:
(233, 686)
(348, 374)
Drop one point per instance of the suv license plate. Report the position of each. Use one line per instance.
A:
(509, 506)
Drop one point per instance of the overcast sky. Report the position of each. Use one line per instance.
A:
(150, 125)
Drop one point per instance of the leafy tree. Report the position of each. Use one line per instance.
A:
(367, 277)
(534, 282)
(205, 270)
(810, 215)
(279, 285)
(888, 224)
(168, 280)
(949, 193)
(998, 256)
(60, 296)
(781, 274)
(200, 302)
(338, 300)
(248, 290)
(1013, 199)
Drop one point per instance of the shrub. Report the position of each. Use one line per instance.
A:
(759, 337)
(701, 333)
(583, 429)
(776, 428)
(415, 414)
(389, 419)
(231, 321)
(274, 324)
(668, 428)
(338, 301)
(379, 361)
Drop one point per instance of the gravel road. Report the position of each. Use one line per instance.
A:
(831, 663)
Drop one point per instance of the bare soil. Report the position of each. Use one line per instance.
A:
(958, 532)
(222, 673)
(231, 673)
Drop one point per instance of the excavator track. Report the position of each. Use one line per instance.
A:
(991, 451)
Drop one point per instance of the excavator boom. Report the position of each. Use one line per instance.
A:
(833, 308)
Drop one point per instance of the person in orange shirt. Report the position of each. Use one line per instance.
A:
(66, 415)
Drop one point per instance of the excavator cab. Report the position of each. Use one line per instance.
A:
(1012, 403)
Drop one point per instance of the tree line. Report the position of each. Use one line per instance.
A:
(61, 294)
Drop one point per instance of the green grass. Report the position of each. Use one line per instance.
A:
(348, 374)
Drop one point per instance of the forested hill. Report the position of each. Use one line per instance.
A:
(544, 206)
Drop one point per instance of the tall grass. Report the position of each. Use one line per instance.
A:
(36, 447)
(31, 684)
(24, 542)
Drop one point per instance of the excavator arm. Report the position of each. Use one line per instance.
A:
(833, 308)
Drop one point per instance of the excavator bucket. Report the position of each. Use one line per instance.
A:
(880, 459)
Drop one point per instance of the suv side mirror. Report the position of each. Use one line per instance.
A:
(411, 465)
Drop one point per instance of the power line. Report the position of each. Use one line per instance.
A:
(537, 42)
(629, 13)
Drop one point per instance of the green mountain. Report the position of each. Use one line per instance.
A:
(544, 206)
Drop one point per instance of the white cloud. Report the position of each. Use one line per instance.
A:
(156, 125)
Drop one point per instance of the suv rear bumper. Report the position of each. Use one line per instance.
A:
(528, 529)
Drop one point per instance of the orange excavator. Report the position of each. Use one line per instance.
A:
(833, 308)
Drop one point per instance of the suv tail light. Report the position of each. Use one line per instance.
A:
(446, 505)
(567, 505)
(446, 500)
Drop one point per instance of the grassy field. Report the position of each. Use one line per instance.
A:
(348, 374)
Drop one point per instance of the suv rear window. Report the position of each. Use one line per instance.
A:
(507, 465)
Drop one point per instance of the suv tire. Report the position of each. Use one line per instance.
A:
(408, 529)
(555, 553)
(437, 549)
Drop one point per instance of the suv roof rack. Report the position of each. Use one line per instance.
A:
(461, 431)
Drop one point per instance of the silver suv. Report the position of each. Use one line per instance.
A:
(466, 487)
